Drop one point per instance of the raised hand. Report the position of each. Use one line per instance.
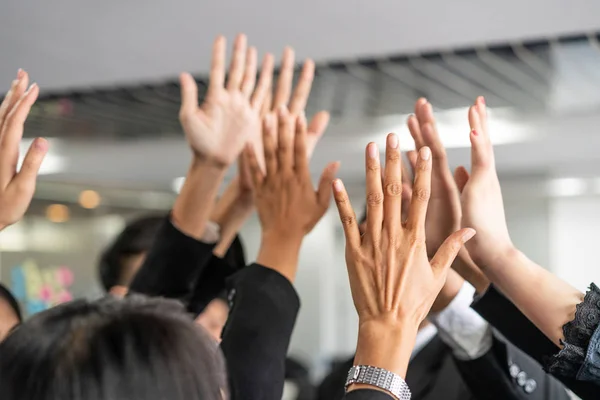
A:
(444, 211)
(481, 197)
(393, 282)
(17, 187)
(288, 206)
(218, 129)
(295, 100)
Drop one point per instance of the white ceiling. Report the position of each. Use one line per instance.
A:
(76, 43)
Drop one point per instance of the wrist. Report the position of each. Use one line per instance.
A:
(281, 254)
(386, 344)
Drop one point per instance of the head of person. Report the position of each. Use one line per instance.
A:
(134, 348)
(10, 312)
(123, 258)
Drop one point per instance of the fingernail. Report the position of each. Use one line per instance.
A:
(33, 85)
(41, 144)
(482, 100)
(372, 150)
(468, 235)
(338, 185)
(20, 73)
(425, 153)
(393, 141)
(474, 132)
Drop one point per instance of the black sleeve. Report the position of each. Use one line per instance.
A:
(264, 306)
(503, 315)
(506, 373)
(210, 283)
(172, 264)
(368, 394)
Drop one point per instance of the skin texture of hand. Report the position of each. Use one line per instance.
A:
(288, 206)
(295, 101)
(393, 282)
(481, 198)
(550, 302)
(444, 211)
(17, 187)
(218, 130)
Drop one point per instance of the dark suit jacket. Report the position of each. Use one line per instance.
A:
(264, 307)
(503, 315)
(435, 374)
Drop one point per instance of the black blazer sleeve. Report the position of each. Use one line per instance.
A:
(506, 373)
(368, 394)
(172, 265)
(503, 315)
(210, 283)
(264, 306)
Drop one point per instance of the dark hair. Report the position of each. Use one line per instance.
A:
(137, 237)
(134, 348)
(6, 294)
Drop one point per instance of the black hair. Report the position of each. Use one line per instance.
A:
(137, 237)
(6, 294)
(135, 348)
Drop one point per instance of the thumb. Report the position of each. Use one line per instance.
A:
(461, 177)
(448, 251)
(324, 189)
(189, 95)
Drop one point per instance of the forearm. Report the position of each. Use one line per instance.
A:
(548, 301)
(280, 253)
(194, 205)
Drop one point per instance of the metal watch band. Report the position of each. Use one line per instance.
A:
(380, 378)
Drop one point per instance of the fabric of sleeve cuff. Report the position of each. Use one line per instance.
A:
(460, 327)
(569, 361)
(212, 233)
(172, 264)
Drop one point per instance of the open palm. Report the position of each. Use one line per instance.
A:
(218, 129)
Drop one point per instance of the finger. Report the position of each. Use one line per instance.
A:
(419, 109)
(238, 63)
(249, 73)
(266, 106)
(217, 69)
(406, 197)
(483, 115)
(421, 192)
(284, 82)
(447, 252)
(415, 131)
(392, 183)
(13, 133)
(425, 114)
(9, 100)
(412, 160)
(189, 96)
(26, 178)
(324, 188)
(481, 149)
(244, 171)
(302, 91)
(251, 161)
(461, 177)
(431, 139)
(374, 192)
(316, 129)
(270, 147)
(300, 159)
(16, 93)
(347, 215)
(265, 81)
(285, 143)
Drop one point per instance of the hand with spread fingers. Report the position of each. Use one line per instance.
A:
(288, 206)
(218, 129)
(17, 187)
(481, 198)
(444, 212)
(283, 96)
(393, 282)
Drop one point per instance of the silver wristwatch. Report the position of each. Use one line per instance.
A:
(380, 378)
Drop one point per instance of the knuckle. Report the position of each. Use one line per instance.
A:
(348, 220)
(421, 194)
(373, 165)
(393, 156)
(374, 199)
(393, 188)
(416, 240)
